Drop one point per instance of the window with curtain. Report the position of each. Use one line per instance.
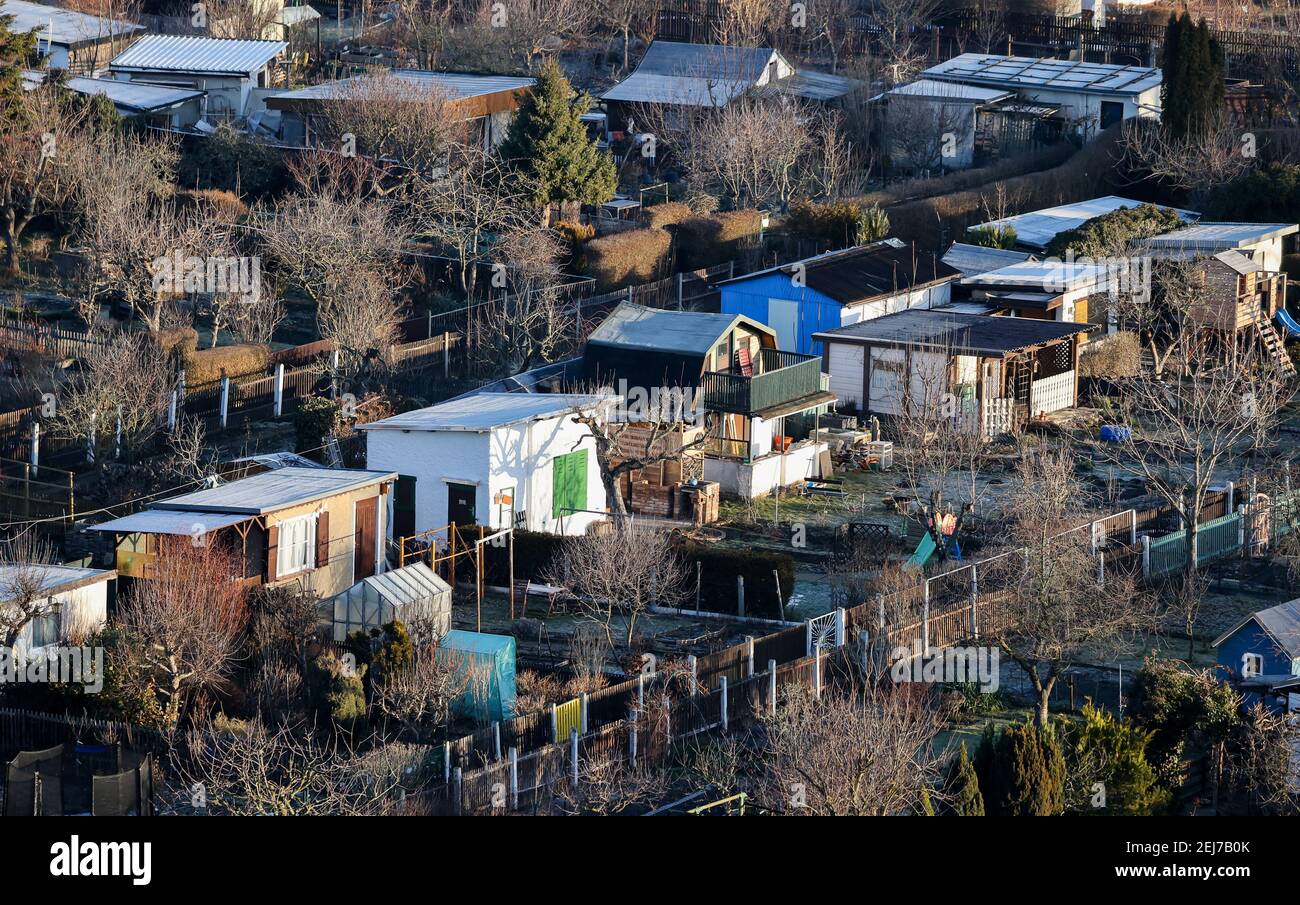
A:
(296, 546)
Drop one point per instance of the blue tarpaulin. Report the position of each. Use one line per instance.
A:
(486, 666)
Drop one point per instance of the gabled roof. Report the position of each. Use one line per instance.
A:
(484, 411)
(270, 491)
(128, 97)
(954, 334)
(1281, 622)
(203, 56)
(970, 260)
(855, 275)
(1238, 262)
(698, 75)
(71, 28)
(693, 333)
(1019, 73)
(1037, 229)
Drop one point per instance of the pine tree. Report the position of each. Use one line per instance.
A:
(17, 51)
(1028, 775)
(962, 796)
(549, 149)
(1191, 92)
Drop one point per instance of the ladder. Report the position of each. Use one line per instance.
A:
(1274, 346)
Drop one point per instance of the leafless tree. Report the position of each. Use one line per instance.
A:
(926, 134)
(903, 44)
(25, 561)
(121, 392)
(507, 36)
(395, 119)
(865, 750)
(254, 20)
(528, 323)
(629, 19)
(1053, 606)
(746, 23)
(186, 618)
(419, 28)
(989, 25)
(1184, 598)
(1195, 164)
(620, 572)
(418, 696)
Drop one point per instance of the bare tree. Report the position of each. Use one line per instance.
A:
(528, 323)
(629, 18)
(420, 28)
(1196, 163)
(395, 119)
(904, 44)
(620, 572)
(419, 695)
(1053, 605)
(185, 619)
(507, 36)
(927, 134)
(25, 561)
(865, 750)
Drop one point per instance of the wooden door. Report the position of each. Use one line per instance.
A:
(365, 536)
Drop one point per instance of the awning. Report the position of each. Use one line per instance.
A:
(171, 521)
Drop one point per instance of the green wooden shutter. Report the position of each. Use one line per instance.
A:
(568, 483)
(578, 480)
(559, 485)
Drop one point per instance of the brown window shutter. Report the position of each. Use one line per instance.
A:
(322, 540)
(272, 550)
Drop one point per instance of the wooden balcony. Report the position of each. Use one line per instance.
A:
(779, 378)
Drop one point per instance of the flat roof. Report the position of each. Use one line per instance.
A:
(273, 490)
(701, 75)
(128, 97)
(635, 326)
(935, 89)
(975, 259)
(953, 333)
(1037, 229)
(1058, 75)
(1041, 276)
(1213, 236)
(484, 411)
(171, 521)
(185, 53)
(455, 85)
(70, 27)
(52, 578)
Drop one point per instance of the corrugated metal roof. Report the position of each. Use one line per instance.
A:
(956, 334)
(183, 53)
(168, 521)
(699, 75)
(1037, 229)
(70, 27)
(273, 490)
(1057, 75)
(484, 411)
(975, 259)
(128, 97)
(854, 275)
(1239, 262)
(455, 85)
(947, 91)
(1221, 236)
(1045, 276)
(51, 578)
(686, 332)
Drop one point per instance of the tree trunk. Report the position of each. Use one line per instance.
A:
(11, 247)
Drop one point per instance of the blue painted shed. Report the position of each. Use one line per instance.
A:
(821, 293)
(1260, 655)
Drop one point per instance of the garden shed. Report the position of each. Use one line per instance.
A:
(485, 665)
(414, 594)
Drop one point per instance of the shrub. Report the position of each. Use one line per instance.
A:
(636, 256)
(232, 160)
(178, 341)
(207, 365)
(835, 222)
(961, 788)
(1118, 355)
(670, 213)
(225, 204)
(338, 691)
(713, 239)
(872, 225)
(1112, 752)
(992, 236)
(1023, 772)
(1270, 194)
(315, 417)
(1109, 232)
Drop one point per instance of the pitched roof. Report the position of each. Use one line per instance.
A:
(700, 75)
(176, 522)
(656, 330)
(454, 85)
(956, 334)
(1239, 262)
(1058, 75)
(484, 411)
(975, 259)
(270, 491)
(1282, 622)
(865, 272)
(70, 27)
(185, 53)
(1041, 276)
(127, 97)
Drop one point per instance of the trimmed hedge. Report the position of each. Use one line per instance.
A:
(635, 256)
(708, 240)
(668, 214)
(236, 361)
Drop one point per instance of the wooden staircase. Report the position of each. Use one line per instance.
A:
(1274, 346)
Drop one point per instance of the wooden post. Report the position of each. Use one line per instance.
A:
(225, 399)
(740, 595)
(749, 654)
(722, 688)
(446, 353)
(456, 803)
(780, 601)
(573, 757)
(279, 389)
(514, 778)
(512, 574)
(925, 617)
(771, 686)
(36, 448)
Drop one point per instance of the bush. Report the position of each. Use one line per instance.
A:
(835, 222)
(1119, 355)
(636, 256)
(208, 365)
(1022, 772)
(232, 160)
(338, 691)
(178, 341)
(713, 239)
(315, 417)
(1112, 752)
(225, 204)
(670, 213)
(1102, 235)
(1270, 194)
(992, 236)
(961, 788)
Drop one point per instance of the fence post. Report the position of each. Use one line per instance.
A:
(1133, 526)
(456, 804)
(817, 675)
(555, 725)
(841, 626)
(679, 290)
(1241, 531)
(514, 778)
(1092, 535)
(925, 618)
(631, 736)
(723, 689)
(740, 595)
(1228, 501)
(640, 691)
(446, 762)
(1101, 568)
(974, 603)
(1146, 555)
(171, 411)
(573, 757)
(225, 399)
(496, 740)
(749, 654)
(690, 661)
(446, 353)
(807, 638)
(279, 389)
(36, 449)
(771, 686)
(582, 719)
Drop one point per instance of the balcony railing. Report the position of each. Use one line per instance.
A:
(779, 377)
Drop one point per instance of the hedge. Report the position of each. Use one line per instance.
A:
(236, 361)
(708, 240)
(620, 259)
(669, 213)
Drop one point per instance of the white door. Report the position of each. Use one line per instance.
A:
(846, 363)
(783, 317)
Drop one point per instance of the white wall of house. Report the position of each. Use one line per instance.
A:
(926, 297)
(1077, 105)
(226, 95)
(433, 458)
(81, 611)
(761, 476)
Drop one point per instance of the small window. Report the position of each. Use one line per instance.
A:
(1251, 665)
(45, 629)
(296, 546)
